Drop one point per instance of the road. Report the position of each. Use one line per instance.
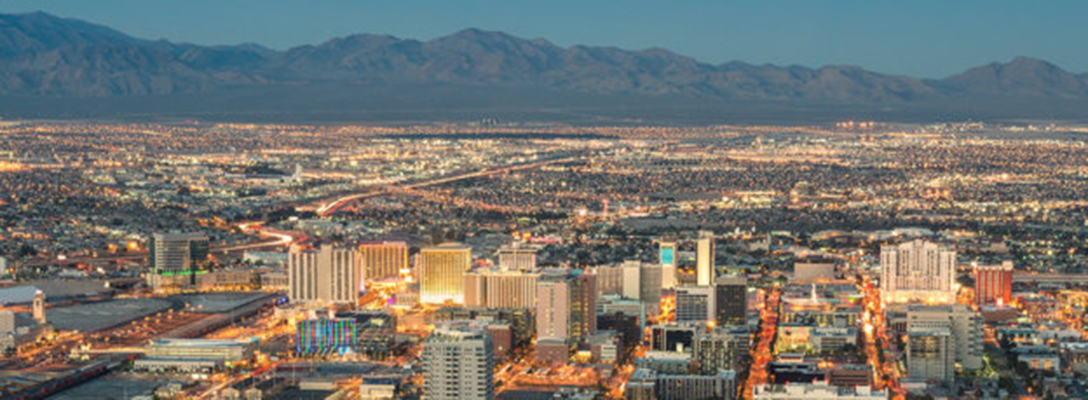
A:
(761, 351)
(332, 206)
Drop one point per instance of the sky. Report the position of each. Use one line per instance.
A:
(922, 38)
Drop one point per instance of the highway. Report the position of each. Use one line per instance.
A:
(333, 205)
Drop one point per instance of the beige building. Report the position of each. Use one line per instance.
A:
(383, 260)
(325, 275)
(917, 271)
(501, 289)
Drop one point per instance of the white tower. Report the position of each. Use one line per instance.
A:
(39, 307)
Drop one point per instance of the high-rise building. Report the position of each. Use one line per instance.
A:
(668, 258)
(441, 273)
(731, 300)
(513, 258)
(632, 279)
(325, 275)
(650, 287)
(951, 334)
(917, 271)
(553, 307)
(583, 306)
(648, 384)
(459, 362)
(609, 279)
(695, 303)
(176, 259)
(929, 354)
(566, 305)
(383, 260)
(4, 267)
(704, 259)
(993, 284)
(501, 289)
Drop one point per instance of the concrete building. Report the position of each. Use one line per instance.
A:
(441, 272)
(458, 362)
(963, 324)
(38, 307)
(917, 271)
(694, 304)
(993, 284)
(193, 355)
(643, 282)
(176, 254)
(731, 300)
(501, 289)
(722, 349)
(930, 354)
(327, 275)
(514, 258)
(704, 259)
(645, 384)
(383, 260)
(609, 279)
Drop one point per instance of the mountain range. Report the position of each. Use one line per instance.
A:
(60, 67)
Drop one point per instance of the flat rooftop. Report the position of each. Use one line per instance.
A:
(98, 316)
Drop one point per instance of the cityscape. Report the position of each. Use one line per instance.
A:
(542, 222)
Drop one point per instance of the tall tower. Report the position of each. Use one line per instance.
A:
(919, 271)
(704, 259)
(993, 284)
(329, 275)
(39, 307)
(459, 362)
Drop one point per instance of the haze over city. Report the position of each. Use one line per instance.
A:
(507, 200)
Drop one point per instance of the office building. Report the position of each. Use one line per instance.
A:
(917, 271)
(930, 354)
(668, 258)
(722, 349)
(375, 332)
(704, 259)
(176, 259)
(566, 305)
(441, 272)
(383, 260)
(459, 362)
(963, 324)
(731, 300)
(327, 275)
(993, 284)
(501, 289)
(514, 258)
(695, 303)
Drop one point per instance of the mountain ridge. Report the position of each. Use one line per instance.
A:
(44, 56)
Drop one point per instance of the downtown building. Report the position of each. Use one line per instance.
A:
(993, 284)
(566, 307)
(731, 300)
(667, 256)
(441, 272)
(501, 289)
(176, 259)
(695, 304)
(459, 362)
(704, 259)
(642, 282)
(383, 260)
(940, 338)
(917, 271)
(514, 258)
(327, 275)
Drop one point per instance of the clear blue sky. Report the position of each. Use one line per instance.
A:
(923, 38)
